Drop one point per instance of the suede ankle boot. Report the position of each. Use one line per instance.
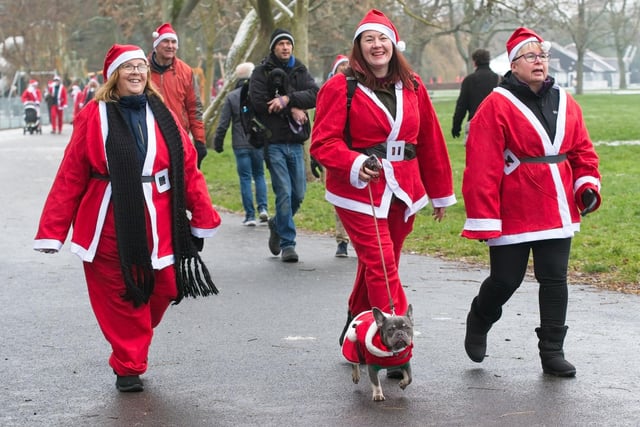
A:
(551, 341)
(475, 340)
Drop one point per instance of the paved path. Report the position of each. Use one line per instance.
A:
(264, 352)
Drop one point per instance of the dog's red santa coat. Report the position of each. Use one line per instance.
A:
(362, 344)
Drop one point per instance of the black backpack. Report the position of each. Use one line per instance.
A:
(256, 131)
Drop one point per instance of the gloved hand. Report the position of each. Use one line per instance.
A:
(589, 200)
(316, 168)
(218, 146)
(198, 242)
(455, 132)
(202, 151)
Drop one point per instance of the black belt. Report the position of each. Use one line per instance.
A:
(545, 159)
(145, 178)
(380, 151)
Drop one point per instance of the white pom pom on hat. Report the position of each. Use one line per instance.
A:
(522, 36)
(164, 31)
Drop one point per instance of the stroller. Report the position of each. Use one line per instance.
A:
(31, 119)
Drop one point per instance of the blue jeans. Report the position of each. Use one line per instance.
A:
(289, 182)
(250, 168)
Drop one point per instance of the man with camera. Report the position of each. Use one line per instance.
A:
(281, 90)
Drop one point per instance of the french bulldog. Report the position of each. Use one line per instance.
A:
(380, 340)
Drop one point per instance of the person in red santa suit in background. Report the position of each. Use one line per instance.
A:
(58, 103)
(392, 118)
(127, 181)
(178, 85)
(531, 170)
(32, 94)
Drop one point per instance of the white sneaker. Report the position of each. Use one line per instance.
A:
(249, 222)
(264, 216)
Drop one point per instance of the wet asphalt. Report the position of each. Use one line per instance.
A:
(264, 352)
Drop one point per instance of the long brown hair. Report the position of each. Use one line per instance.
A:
(399, 68)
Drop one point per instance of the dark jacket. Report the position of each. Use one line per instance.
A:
(230, 115)
(543, 104)
(300, 87)
(475, 87)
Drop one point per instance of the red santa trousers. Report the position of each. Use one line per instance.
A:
(370, 289)
(56, 115)
(127, 328)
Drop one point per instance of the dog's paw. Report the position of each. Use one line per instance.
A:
(378, 397)
(355, 373)
(404, 382)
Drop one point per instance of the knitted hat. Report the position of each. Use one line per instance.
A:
(339, 60)
(280, 34)
(118, 55)
(377, 21)
(522, 36)
(164, 31)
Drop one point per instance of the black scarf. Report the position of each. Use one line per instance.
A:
(192, 276)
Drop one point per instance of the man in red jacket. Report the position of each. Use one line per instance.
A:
(176, 82)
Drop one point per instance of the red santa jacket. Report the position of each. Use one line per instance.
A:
(62, 94)
(362, 344)
(31, 94)
(414, 181)
(76, 198)
(508, 201)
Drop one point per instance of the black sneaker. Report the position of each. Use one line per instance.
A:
(341, 252)
(129, 383)
(274, 237)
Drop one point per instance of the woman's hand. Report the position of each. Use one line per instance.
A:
(438, 213)
(370, 170)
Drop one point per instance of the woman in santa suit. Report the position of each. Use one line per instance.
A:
(531, 171)
(391, 118)
(126, 181)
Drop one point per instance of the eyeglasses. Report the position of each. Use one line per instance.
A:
(128, 68)
(532, 57)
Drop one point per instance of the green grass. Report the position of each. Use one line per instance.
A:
(607, 250)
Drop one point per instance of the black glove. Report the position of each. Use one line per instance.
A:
(589, 200)
(198, 242)
(316, 168)
(217, 145)
(455, 132)
(202, 151)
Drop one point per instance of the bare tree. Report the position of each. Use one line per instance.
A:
(624, 23)
(582, 20)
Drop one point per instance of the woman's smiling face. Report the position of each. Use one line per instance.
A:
(377, 50)
(132, 82)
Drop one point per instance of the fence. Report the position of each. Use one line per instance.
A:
(12, 113)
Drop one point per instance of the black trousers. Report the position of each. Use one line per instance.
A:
(508, 268)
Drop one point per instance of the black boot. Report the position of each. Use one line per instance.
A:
(346, 327)
(551, 340)
(475, 340)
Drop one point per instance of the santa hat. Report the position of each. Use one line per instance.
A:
(377, 21)
(33, 83)
(522, 36)
(339, 60)
(118, 55)
(280, 34)
(164, 31)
